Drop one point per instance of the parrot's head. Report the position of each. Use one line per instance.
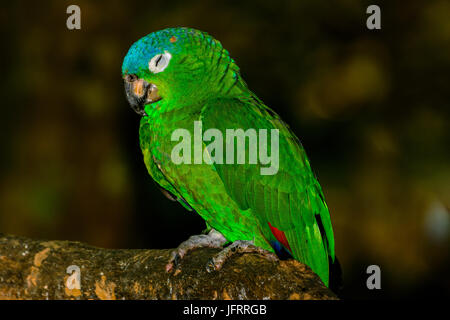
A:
(176, 66)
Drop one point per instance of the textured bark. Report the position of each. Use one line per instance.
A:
(31, 269)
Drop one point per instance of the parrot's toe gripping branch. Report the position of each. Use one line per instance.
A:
(240, 246)
(213, 239)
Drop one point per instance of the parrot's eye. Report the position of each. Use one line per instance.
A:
(159, 62)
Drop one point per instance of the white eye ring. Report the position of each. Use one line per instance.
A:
(159, 62)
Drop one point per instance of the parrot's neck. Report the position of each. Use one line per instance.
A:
(233, 87)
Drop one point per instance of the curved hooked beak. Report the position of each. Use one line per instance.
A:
(140, 93)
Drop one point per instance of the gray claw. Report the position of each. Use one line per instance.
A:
(213, 239)
(239, 246)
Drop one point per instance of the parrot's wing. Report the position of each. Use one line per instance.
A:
(290, 204)
(154, 170)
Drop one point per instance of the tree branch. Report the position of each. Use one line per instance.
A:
(31, 269)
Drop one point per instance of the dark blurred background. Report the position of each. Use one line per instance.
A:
(370, 107)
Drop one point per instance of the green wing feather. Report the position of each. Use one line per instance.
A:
(292, 199)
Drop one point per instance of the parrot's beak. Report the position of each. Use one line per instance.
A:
(140, 93)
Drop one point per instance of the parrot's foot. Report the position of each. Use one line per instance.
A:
(239, 246)
(213, 239)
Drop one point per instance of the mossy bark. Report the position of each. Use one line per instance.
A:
(32, 269)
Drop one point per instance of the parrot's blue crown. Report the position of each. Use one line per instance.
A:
(172, 40)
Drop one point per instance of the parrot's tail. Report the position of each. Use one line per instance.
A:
(336, 283)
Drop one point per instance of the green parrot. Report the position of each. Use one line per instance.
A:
(181, 81)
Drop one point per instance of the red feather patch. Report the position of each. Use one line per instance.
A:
(280, 236)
